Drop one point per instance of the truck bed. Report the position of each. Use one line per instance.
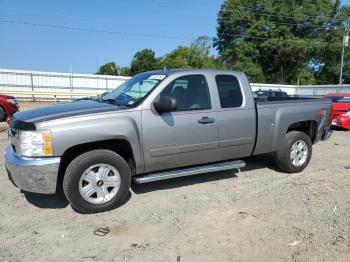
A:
(274, 118)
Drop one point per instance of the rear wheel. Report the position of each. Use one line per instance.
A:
(97, 181)
(295, 154)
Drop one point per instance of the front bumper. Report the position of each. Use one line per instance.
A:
(38, 175)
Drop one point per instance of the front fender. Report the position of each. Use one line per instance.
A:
(73, 131)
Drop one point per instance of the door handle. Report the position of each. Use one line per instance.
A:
(206, 120)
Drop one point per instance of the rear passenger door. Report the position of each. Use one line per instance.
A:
(236, 118)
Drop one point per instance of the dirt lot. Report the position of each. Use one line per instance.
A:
(259, 214)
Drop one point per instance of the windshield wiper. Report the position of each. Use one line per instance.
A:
(112, 101)
(86, 98)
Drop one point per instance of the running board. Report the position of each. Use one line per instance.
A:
(189, 171)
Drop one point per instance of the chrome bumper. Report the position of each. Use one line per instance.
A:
(32, 175)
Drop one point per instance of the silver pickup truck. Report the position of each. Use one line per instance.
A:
(158, 125)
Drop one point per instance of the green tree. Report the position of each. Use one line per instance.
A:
(331, 53)
(178, 58)
(303, 76)
(197, 55)
(276, 40)
(144, 60)
(110, 68)
(125, 71)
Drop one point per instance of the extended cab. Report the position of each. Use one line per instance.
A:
(157, 125)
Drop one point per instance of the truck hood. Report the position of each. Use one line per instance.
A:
(57, 111)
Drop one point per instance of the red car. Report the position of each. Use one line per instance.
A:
(340, 110)
(8, 106)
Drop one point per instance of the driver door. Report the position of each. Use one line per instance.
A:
(186, 136)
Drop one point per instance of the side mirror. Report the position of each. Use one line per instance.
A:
(165, 104)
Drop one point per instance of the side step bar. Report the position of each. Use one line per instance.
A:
(189, 171)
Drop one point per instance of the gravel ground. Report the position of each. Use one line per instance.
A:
(258, 214)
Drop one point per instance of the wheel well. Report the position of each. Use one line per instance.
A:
(121, 147)
(307, 127)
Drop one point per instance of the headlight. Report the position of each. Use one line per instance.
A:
(12, 101)
(35, 143)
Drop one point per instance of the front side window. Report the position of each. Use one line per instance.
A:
(191, 93)
(229, 91)
(133, 91)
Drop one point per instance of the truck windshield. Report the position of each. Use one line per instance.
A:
(133, 91)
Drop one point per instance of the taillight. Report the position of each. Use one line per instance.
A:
(322, 112)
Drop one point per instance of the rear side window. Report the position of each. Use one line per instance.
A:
(229, 91)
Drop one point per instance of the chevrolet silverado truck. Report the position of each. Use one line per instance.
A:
(157, 125)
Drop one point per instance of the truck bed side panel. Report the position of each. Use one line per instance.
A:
(275, 118)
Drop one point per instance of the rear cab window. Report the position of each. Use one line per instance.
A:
(230, 92)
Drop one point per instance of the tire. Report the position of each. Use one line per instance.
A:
(84, 174)
(2, 114)
(288, 159)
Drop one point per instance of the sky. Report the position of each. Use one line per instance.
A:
(35, 34)
(34, 47)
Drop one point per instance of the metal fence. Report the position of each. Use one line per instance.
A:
(320, 90)
(37, 85)
(307, 90)
(290, 89)
(34, 85)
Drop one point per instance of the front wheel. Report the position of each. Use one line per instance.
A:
(295, 154)
(97, 181)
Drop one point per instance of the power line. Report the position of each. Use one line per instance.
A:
(261, 13)
(84, 29)
(225, 10)
(277, 39)
(94, 30)
(283, 23)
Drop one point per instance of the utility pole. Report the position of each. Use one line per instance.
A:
(345, 44)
